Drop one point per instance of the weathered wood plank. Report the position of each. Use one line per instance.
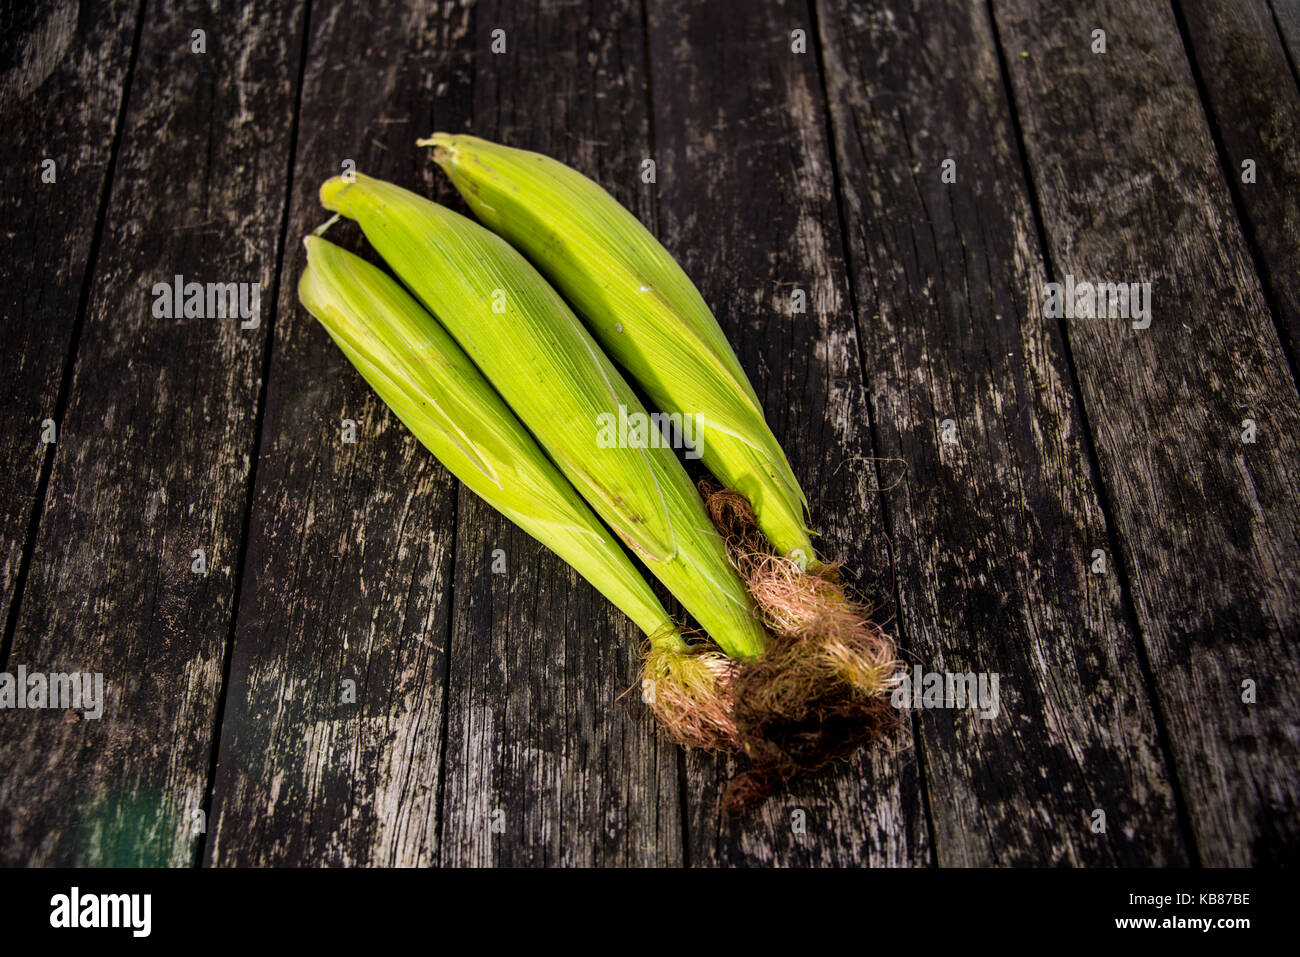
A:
(1131, 190)
(747, 204)
(548, 761)
(351, 544)
(60, 100)
(996, 518)
(1286, 13)
(153, 459)
(1255, 107)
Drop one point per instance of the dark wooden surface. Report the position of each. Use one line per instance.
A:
(491, 722)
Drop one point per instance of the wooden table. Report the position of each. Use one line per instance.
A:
(1077, 505)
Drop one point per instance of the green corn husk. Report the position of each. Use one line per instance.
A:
(558, 381)
(431, 385)
(642, 308)
(821, 688)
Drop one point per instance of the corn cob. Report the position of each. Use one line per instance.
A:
(531, 347)
(431, 385)
(642, 307)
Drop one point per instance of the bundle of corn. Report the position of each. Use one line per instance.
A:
(821, 687)
(793, 673)
(438, 393)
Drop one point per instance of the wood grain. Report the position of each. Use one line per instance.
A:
(59, 100)
(491, 724)
(1286, 15)
(995, 524)
(747, 205)
(551, 758)
(351, 545)
(154, 457)
(1130, 189)
(1254, 105)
